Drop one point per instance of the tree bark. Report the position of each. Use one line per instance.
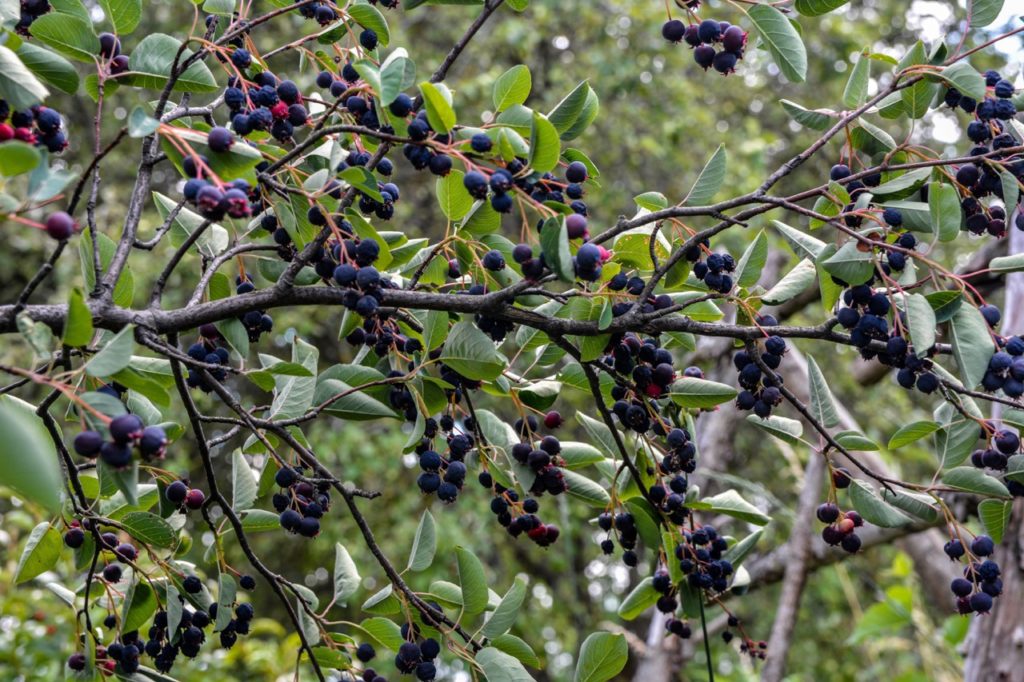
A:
(995, 642)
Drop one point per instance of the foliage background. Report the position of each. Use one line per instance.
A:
(660, 119)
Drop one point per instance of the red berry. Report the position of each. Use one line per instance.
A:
(279, 110)
(195, 498)
(553, 419)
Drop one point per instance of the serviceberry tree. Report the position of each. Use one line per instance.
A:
(147, 407)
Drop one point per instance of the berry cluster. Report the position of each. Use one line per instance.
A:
(383, 334)
(624, 526)
(413, 659)
(443, 476)
(760, 390)
(713, 270)
(841, 526)
(110, 48)
(703, 38)
(1006, 368)
(127, 434)
(301, 503)
(988, 132)
(700, 559)
(215, 201)
(262, 104)
(183, 497)
(256, 322)
(38, 125)
(651, 370)
(981, 583)
(208, 349)
(1001, 445)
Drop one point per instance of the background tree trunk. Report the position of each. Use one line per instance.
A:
(995, 643)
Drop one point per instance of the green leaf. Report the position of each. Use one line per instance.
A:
(439, 111)
(640, 598)
(125, 14)
(512, 87)
(293, 395)
(244, 486)
(1010, 186)
(602, 657)
(567, 112)
(585, 489)
(802, 244)
(921, 319)
(139, 605)
(700, 393)
(739, 551)
(710, 179)
(554, 244)
(1014, 263)
(920, 506)
(912, 432)
(782, 40)
(149, 529)
(500, 667)
(41, 552)
(472, 354)
(227, 590)
(815, 119)
(114, 356)
(141, 124)
(452, 195)
(17, 157)
(222, 8)
(748, 270)
(944, 211)
(794, 283)
(984, 12)
(732, 504)
(823, 407)
(850, 264)
(516, 647)
(504, 615)
(783, 428)
(424, 545)
(910, 180)
(815, 8)
(972, 344)
(346, 575)
(70, 35)
(974, 481)
(47, 65)
(545, 147)
(395, 76)
(125, 286)
(472, 581)
(874, 510)
(370, 17)
(856, 91)
(78, 327)
(945, 304)
(150, 65)
(994, 515)
(965, 78)
(27, 455)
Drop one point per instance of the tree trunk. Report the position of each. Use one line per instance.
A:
(995, 642)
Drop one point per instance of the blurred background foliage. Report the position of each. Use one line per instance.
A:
(661, 117)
